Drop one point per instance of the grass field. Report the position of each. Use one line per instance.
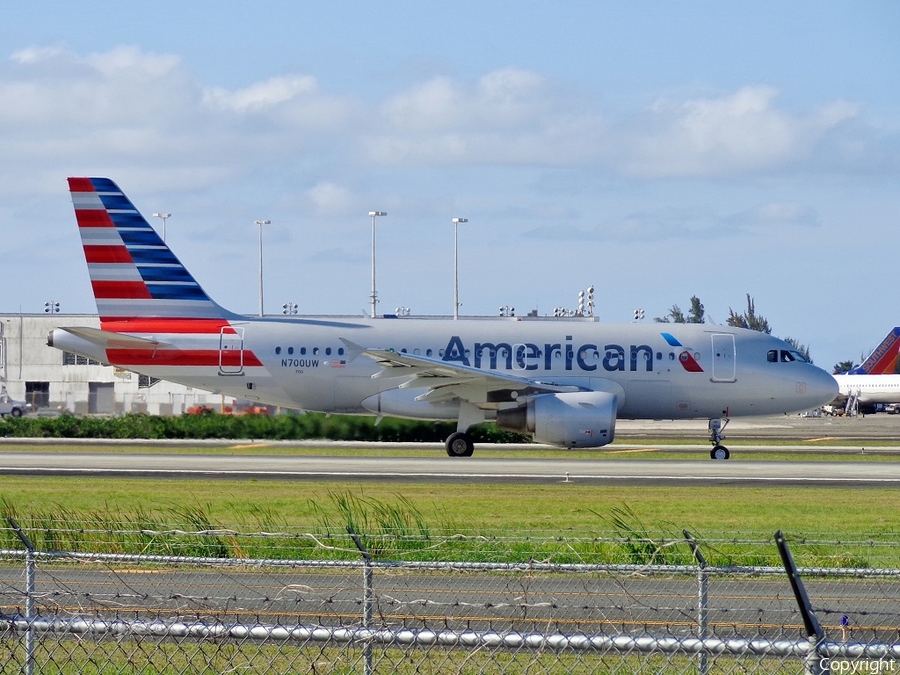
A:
(845, 517)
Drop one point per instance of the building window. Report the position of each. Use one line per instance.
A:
(38, 394)
(145, 381)
(70, 359)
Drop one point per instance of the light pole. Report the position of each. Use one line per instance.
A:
(261, 223)
(373, 215)
(165, 217)
(456, 222)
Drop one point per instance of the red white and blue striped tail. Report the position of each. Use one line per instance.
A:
(133, 273)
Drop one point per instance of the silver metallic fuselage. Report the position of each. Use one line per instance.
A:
(657, 371)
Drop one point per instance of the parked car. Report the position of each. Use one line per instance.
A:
(14, 408)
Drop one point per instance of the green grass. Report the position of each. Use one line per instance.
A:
(559, 522)
(124, 656)
(553, 507)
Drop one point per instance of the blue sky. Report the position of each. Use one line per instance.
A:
(656, 150)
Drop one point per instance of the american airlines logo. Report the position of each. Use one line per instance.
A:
(566, 355)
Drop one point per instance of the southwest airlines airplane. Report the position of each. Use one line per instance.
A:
(877, 379)
(563, 382)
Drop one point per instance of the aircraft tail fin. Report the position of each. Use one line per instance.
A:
(133, 272)
(884, 360)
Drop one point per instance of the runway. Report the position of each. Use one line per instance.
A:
(484, 469)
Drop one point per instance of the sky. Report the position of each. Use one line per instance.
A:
(653, 150)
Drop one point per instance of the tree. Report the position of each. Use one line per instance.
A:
(843, 366)
(675, 315)
(749, 318)
(697, 313)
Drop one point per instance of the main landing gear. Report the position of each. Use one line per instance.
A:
(459, 444)
(716, 437)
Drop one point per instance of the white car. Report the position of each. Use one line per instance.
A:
(11, 407)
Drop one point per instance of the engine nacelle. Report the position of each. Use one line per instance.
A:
(403, 403)
(579, 419)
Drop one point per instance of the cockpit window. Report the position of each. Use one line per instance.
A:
(785, 356)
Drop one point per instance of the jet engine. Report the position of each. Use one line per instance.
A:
(579, 419)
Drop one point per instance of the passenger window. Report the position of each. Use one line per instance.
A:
(290, 350)
(315, 351)
(327, 351)
(277, 350)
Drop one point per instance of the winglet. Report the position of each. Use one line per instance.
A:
(353, 349)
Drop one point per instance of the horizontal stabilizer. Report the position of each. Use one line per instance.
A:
(109, 340)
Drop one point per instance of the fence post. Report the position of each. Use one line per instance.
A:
(702, 600)
(29, 595)
(813, 661)
(368, 599)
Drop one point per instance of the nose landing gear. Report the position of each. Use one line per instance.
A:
(719, 451)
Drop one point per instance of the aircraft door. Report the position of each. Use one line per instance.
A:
(231, 351)
(723, 362)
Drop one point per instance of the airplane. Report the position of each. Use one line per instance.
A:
(563, 382)
(877, 379)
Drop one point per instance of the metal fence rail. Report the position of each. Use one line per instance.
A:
(116, 613)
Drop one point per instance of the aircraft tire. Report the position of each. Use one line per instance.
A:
(719, 452)
(460, 444)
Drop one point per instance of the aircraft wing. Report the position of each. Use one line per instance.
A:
(446, 381)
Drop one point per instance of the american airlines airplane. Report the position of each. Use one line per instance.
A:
(877, 379)
(563, 382)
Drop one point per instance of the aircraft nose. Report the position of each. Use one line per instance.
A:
(821, 387)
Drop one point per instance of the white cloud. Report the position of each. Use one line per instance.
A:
(739, 132)
(133, 63)
(508, 116)
(262, 95)
(33, 55)
(330, 199)
(126, 108)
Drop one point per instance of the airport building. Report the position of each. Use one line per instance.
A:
(52, 380)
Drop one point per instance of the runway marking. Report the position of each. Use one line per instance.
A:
(816, 440)
(350, 475)
(633, 450)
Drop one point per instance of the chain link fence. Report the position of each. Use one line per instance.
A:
(88, 612)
